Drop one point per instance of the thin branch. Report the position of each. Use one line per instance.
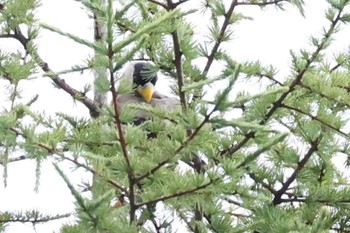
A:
(90, 104)
(94, 172)
(301, 164)
(178, 150)
(224, 26)
(323, 95)
(159, 3)
(178, 58)
(178, 194)
(15, 159)
(118, 122)
(178, 65)
(334, 68)
(296, 199)
(126, 28)
(238, 215)
(13, 36)
(235, 147)
(316, 118)
(269, 77)
(275, 2)
(52, 150)
(257, 180)
(233, 202)
(27, 218)
(278, 103)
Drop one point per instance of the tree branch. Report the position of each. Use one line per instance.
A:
(159, 3)
(301, 164)
(261, 4)
(323, 95)
(15, 159)
(178, 65)
(224, 26)
(178, 150)
(94, 172)
(303, 200)
(90, 104)
(177, 58)
(278, 103)
(316, 118)
(257, 180)
(118, 123)
(52, 150)
(178, 194)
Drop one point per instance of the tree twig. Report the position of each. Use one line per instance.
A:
(178, 194)
(52, 150)
(316, 118)
(178, 150)
(301, 164)
(224, 26)
(15, 159)
(297, 80)
(265, 3)
(90, 104)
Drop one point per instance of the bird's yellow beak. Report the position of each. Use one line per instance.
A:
(146, 92)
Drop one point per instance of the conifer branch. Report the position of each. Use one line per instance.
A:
(30, 216)
(219, 40)
(301, 164)
(261, 4)
(80, 96)
(263, 184)
(297, 80)
(270, 77)
(159, 3)
(94, 172)
(80, 201)
(52, 150)
(118, 122)
(316, 118)
(178, 150)
(178, 63)
(15, 159)
(334, 68)
(303, 200)
(178, 194)
(323, 95)
(125, 27)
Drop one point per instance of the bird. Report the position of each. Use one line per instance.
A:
(142, 80)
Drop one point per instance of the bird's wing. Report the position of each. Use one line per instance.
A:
(163, 101)
(159, 100)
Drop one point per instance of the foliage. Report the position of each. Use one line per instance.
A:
(267, 169)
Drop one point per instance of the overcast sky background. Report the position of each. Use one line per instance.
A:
(269, 38)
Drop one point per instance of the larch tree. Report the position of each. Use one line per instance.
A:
(233, 161)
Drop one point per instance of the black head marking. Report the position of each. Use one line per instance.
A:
(144, 74)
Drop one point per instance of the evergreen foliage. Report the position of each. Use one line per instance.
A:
(240, 162)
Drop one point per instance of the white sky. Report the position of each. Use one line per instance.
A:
(268, 38)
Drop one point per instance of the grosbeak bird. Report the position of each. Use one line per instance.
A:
(143, 79)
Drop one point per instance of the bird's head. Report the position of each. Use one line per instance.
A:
(144, 80)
